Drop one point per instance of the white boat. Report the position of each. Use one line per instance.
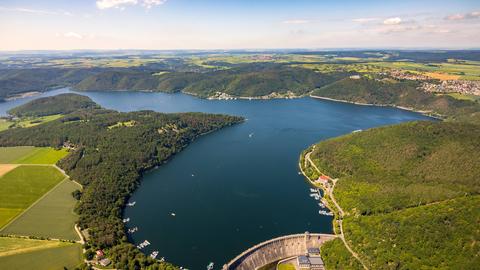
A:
(357, 130)
(173, 214)
(154, 254)
(125, 220)
(210, 266)
(131, 204)
(250, 135)
(313, 190)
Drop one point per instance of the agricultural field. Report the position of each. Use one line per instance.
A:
(31, 155)
(32, 181)
(17, 253)
(5, 124)
(51, 217)
(462, 71)
(33, 121)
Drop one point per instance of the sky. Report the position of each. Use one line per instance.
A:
(238, 24)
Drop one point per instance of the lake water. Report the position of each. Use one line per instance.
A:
(239, 186)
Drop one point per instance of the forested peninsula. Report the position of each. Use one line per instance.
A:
(109, 152)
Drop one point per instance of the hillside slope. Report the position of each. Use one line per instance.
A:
(251, 80)
(410, 192)
(60, 104)
(398, 93)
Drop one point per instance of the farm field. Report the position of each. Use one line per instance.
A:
(33, 181)
(38, 254)
(33, 121)
(51, 217)
(30, 155)
(469, 71)
(11, 245)
(4, 124)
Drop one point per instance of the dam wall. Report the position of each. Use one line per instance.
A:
(277, 249)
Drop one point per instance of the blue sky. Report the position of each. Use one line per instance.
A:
(232, 24)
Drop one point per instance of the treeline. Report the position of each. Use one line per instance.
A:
(399, 93)
(17, 81)
(243, 80)
(59, 104)
(109, 162)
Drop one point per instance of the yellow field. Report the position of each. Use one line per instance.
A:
(10, 246)
(442, 76)
(5, 168)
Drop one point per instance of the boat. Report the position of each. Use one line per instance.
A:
(131, 204)
(357, 130)
(173, 214)
(132, 230)
(125, 220)
(154, 254)
(313, 190)
(250, 135)
(210, 266)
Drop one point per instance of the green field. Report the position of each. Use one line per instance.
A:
(11, 245)
(51, 217)
(33, 121)
(31, 155)
(38, 254)
(287, 266)
(23, 186)
(4, 124)
(469, 71)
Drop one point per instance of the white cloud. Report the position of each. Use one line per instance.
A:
(392, 21)
(364, 20)
(296, 21)
(467, 16)
(28, 10)
(105, 4)
(73, 35)
(121, 4)
(151, 3)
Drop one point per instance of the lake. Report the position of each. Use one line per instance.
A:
(238, 186)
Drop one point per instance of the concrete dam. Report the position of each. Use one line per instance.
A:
(277, 249)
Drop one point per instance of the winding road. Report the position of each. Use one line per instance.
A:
(341, 213)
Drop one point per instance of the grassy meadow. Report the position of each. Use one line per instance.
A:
(18, 253)
(23, 186)
(31, 155)
(51, 217)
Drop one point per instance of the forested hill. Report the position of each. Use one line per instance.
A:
(399, 93)
(410, 192)
(60, 104)
(251, 80)
(112, 150)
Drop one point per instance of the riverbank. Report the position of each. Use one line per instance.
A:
(426, 113)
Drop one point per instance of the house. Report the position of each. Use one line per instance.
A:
(100, 254)
(104, 262)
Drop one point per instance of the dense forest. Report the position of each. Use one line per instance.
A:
(241, 81)
(398, 93)
(17, 81)
(109, 159)
(410, 193)
(59, 104)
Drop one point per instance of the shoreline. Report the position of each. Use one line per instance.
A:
(425, 113)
